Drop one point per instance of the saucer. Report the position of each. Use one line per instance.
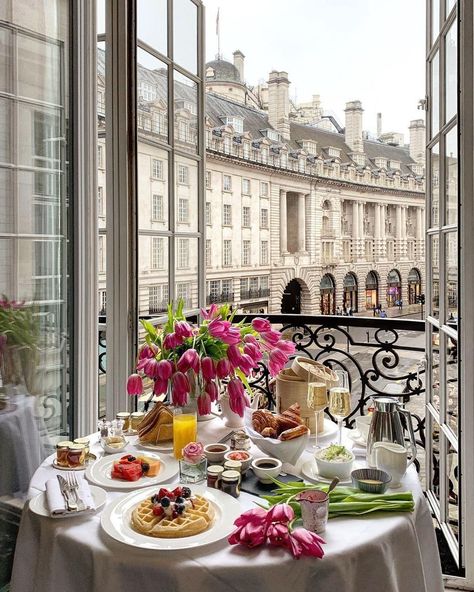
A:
(310, 471)
(357, 438)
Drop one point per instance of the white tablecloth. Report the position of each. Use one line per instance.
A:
(21, 449)
(386, 552)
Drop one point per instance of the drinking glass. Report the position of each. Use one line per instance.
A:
(317, 400)
(340, 400)
(184, 430)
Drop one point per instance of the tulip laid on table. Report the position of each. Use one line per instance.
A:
(198, 361)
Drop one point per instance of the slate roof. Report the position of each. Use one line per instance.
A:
(223, 71)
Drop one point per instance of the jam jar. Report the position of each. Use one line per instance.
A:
(240, 441)
(76, 455)
(230, 483)
(233, 465)
(135, 419)
(125, 417)
(62, 450)
(214, 476)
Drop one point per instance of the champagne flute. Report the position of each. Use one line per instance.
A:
(340, 400)
(317, 399)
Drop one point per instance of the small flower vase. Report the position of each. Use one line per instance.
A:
(192, 472)
(231, 419)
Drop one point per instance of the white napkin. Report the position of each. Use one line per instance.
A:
(56, 503)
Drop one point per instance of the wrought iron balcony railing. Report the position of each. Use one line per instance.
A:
(258, 293)
(220, 298)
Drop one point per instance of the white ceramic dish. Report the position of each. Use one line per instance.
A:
(245, 463)
(309, 470)
(331, 469)
(166, 446)
(115, 520)
(357, 438)
(100, 472)
(215, 452)
(39, 505)
(265, 474)
(60, 468)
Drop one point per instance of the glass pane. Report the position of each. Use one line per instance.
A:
(39, 69)
(452, 177)
(153, 272)
(434, 210)
(451, 71)
(186, 254)
(433, 254)
(100, 17)
(152, 25)
(435, 95)
(101, 86)
(185, 34)
(434, 395)
(153, 213)
(453, 488)
(451, 279)
(436, 436)
(152, 97)
(185, 113)
(449, 6)
(39, 137)
(434, 19)
(186, 195)
(452, 383)
(5, 134)
(6, 202)
(5, 59)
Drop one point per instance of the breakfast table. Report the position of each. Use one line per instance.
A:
(393, 552)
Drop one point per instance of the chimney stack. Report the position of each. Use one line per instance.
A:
(353, 130)
(379, 125)
(417, 140)
(279, 102)
(239, 64)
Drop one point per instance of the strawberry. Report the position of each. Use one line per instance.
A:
(158, 510)
(165, 493)
(177, 492)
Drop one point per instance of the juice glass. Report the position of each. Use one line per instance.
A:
(184, 430)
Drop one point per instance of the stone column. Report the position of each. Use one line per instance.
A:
(283, 223)
(361, 220)
(355, 230)
(383, 234)
(404, 239)
(301, 222)
(377, 231)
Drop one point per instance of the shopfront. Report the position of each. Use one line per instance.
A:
(350, 293)
(414, 286)
(394, 288)
(327, 288)
(371, 290)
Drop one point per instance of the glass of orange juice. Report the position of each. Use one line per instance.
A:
(184, 430)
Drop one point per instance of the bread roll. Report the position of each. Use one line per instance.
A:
(300, 430)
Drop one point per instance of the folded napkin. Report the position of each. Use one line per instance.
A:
(56, 503)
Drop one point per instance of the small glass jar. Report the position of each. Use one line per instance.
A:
(135, 419)
(76, 455)
(125, 417)
(240, 441)
(214, 475)
(192, 472)
(85, 442)
(233, 465)
(62, 450)
(230, 483)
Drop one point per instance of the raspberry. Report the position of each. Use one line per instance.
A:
(158, 510)
(175, 514)
(178, 491)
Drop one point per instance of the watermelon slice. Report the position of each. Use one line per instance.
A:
(127, 471)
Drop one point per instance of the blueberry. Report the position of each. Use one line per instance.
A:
(180, 509)
(186, 492)
(165, 502)
(179, 500)
(131, 458)
(145, 467)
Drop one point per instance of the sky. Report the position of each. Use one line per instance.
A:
(343, 50)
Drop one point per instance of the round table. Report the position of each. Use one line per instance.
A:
(21, 449)
(389, 552)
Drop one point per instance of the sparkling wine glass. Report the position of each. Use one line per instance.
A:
(317, 400)
(340, 400)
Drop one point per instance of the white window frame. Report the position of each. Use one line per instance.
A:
(226, 253)
(227, 183)
(157, 207)
(226, 215)
(183, 174)
(156, 169)
(246, 216)
(264, 189)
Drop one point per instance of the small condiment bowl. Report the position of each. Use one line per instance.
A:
(114, 444)
(370, 480)
(266, 468)
(242, 456)
(330, 469)
(215, 452)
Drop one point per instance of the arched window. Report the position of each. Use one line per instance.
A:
(327, 290)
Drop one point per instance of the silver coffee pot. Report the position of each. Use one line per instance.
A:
(386, 426)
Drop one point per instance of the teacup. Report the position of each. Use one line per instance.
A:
(266, 469)
(215, 452)
(363, 424)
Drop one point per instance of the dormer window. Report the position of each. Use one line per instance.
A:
(210, 73)
(310, 146)
(146, 91)
(272, 135)
(358, 159)
(380, 163)
(187, 105)
(395, 164)
(417, 168)
(335, 152)
(236, 122)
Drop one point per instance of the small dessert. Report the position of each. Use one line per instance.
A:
(132, 468)
(156, 426)
(334, 461)
(173, 514)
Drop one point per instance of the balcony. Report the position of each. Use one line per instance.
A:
(220, 298)
(252, 294)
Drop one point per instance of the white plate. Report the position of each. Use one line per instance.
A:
(39, 505)
(60, 468)
(357, 438)
(163, 447)
(100, 472)
(310, 471)
(115, 520)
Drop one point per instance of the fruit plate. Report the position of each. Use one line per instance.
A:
(161, 447)
(310, 471)
(39, 504)
(116, 520)
(100, 472)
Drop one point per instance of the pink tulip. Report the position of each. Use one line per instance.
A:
(190, 359)
(278, 535)
(212, 390)
(151, 368)
(251, 528)
(171, 341)
(182, 329)
(223, 368)
(210, 313)
(238, 400)
(246, 364)
(234, 355)
(208, 369)
(160, 387)
(286, 346)
(280, 513)
(271, 337)
(261, 325)
(231, 337)
(276, 361)
(304, 542)
(165, 369)
(249, 338)
(217, 328)
(134, 384)
(180, 389)
(204, 404)
(148, 351)
(253, 351)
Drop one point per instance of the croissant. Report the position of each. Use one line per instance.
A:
(293, 413)
(269, 433)
(262, 419)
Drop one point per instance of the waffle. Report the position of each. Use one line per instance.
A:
(193, 521)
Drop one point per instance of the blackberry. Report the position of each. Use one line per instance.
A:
(186, 492)
(131, 458)
(179, 500)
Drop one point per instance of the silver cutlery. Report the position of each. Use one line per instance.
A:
(64, 487)
(74, 489)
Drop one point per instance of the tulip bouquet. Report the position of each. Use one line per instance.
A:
(275, 526)
(197, 360)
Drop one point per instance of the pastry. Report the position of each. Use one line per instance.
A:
(269, 433)
(293, 414)
(157, 425)
(262, 419)
(300, 430)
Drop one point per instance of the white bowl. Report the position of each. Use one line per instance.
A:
(114, 449)
(331, 469)
(266, 473)
(215, 452)
(245, 462)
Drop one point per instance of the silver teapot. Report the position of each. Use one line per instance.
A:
(386, 426)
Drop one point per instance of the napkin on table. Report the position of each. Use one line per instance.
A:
(56, 503)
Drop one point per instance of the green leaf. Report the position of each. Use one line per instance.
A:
(149, 328)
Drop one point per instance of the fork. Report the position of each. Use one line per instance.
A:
(74, 489)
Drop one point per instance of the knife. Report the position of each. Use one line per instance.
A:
(64, 487)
